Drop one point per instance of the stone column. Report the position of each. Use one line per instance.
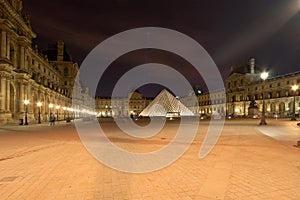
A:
(277, 107)
(3, 44)
(30, 98)
(22, 57)
(46, 105)
(286, 106)
(22, 98)
(26, 66)
(3, 93)
(7, 47)
(8, 94)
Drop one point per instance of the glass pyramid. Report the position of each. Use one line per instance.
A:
(165, 103)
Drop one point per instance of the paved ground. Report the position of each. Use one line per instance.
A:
(248, 162)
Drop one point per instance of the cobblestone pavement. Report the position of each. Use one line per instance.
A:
(41, 162)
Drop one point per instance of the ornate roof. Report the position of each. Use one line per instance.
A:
(52, 53)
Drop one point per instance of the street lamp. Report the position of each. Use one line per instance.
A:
(39, 104)
(26, 102)
(294, 88)
(57, 107)
(263, 76)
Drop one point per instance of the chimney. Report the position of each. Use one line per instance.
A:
(252, 65)
(60, 50)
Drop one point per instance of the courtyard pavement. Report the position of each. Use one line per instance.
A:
(248, 162)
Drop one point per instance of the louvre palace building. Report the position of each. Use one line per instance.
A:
(242, 97)
(245, 92)
(244, 87)
(32, 83)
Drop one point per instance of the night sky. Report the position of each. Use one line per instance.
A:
(232, 31)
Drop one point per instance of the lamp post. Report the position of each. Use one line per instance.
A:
(39, 104)
(294, 88)
(57, 108)
(26, 102)
(263, 76)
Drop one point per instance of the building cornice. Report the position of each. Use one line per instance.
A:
(17, 18)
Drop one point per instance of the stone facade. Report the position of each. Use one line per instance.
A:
(134, 104)
(27, 74)
(49, 78)
(242, 96)
(244, 87)
(213, 102)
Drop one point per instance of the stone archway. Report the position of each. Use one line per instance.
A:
(281, 108)
(34, 105)
(273, 108)
(12, 102)
(42, 108)
(47, 107)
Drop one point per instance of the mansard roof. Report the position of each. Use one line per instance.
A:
(51, 53)
(243, 69)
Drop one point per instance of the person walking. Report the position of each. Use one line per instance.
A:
(52, 120)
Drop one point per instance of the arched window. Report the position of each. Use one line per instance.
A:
(270, 95)
(277, 94)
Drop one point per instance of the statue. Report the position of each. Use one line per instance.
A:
(27, 20)
(253, 109)
(253, 104)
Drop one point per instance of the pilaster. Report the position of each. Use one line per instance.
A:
(8, 94)
(3, 94)
(3, 44)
